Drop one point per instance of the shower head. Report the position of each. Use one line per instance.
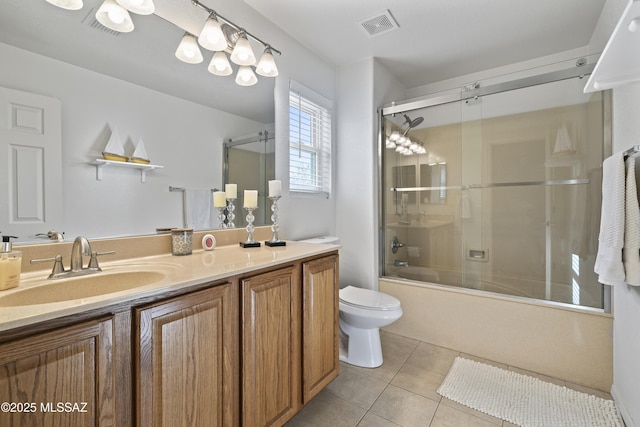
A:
(413, 123)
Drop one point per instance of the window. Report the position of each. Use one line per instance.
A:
(309, 141)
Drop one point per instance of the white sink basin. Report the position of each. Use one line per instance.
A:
(75, 288)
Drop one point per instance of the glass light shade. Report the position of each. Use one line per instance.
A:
(114, 16)
(394, 135)
(188, 50)
(211, 37)
(242, 53)
(267, 65)
(390, 144)
(219, 64)
(67, 4)
(246, 76)
(141, 7)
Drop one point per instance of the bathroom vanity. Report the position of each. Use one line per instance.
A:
(223, 338)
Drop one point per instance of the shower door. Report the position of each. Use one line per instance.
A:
(505, 197)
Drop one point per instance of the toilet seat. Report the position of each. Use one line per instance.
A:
(367, 299)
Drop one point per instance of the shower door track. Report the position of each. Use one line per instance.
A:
(478, 91)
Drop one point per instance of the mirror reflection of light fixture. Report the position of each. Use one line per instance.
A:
(246, 76)
(141, 7)
(267, 65)
(114, 17)
(211, 37)
(188, 50)
(242, 53)
(67, 4)
(219, 65)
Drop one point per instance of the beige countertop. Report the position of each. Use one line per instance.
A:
(169, 273)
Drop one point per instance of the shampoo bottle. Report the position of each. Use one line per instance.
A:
(10, 265)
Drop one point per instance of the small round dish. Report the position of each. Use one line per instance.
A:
(208, 242)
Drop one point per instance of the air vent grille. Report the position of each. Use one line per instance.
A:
(381, 23)
(92, 22)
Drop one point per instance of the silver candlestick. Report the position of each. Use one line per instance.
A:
(230, 213)
(250, 242)
(275, 240)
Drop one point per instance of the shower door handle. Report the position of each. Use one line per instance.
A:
(395, 244)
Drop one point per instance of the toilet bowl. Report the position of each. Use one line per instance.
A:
(362, 313)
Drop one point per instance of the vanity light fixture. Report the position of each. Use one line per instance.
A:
(242, 53)
(246, 76)
(188, 50)
(219, 64)
(267, 65)
(211, 37)
(141, 7)
(114, 17)
(67, 4)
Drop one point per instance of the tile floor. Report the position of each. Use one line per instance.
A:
(402, 392)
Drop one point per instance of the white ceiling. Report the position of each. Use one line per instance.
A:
(436, 39)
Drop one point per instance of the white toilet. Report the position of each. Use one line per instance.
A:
(362, 313)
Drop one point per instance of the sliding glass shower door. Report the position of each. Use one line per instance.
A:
(499, 192)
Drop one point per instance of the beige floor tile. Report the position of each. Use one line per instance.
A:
(447, 416)
(395, 352)
(418, 380)
(357, 388)
(325, 410)
(433, 358)
(485, 361)
(466, 409)
(404, 408)
(373, 420)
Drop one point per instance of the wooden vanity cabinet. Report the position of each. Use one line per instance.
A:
(289, 339)
(186, 360)
(59, 378)
(320, 327)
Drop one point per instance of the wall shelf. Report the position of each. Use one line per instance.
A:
(144, 168)
(619, 63)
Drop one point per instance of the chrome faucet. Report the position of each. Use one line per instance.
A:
(80, 247)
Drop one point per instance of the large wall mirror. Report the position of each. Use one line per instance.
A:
(131, 82)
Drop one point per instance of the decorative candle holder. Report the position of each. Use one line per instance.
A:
(222, 217)
(230, 214)
(275, 240)
(250, 242)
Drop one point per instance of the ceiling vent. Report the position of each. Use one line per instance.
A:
(381, 23)
(91, 21)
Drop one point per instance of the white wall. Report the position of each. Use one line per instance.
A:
(362, 88)
(184, 137)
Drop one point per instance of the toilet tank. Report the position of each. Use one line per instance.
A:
(326, 240)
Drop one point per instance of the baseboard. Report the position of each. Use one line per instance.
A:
(622, 409)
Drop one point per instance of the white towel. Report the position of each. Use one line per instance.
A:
(197, 208)
(608, 264)
(631, 250)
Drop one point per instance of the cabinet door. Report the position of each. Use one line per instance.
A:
(186, 360)
(59, 378)
(271, 347)
(320, 351)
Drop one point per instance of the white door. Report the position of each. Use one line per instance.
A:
(30, 164)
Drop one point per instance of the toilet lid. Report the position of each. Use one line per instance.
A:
(368, 299)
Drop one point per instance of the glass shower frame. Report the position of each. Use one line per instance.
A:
(470, 94)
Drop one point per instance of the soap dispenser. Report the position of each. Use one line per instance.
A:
(10, 265)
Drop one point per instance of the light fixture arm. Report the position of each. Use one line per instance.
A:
(239, 28)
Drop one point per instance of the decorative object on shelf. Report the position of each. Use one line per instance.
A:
(208, 242)
(114, 151)
(231, 191)
(181, 241)
(250, 204)
(140, 154)
(275, 192)
(220, 203)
